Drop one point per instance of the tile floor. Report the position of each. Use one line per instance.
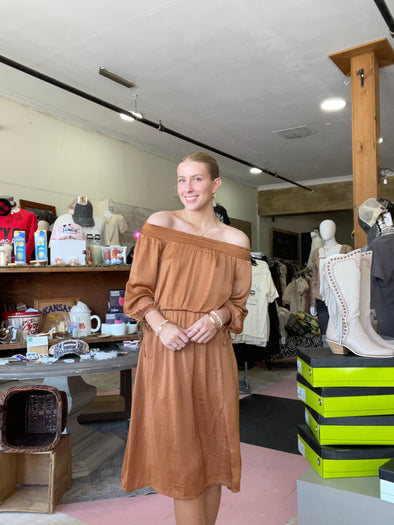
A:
(268, 490)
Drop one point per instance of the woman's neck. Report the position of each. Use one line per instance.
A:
(201, 221)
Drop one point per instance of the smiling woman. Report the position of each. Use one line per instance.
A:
(189, 283)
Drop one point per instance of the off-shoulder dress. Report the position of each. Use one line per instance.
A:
(184, 429)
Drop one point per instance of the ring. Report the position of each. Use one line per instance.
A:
(196, 330)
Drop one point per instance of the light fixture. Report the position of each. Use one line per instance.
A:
(136, 114)
(380, 140)
(333, 104)
(128, 118)
(255, 171)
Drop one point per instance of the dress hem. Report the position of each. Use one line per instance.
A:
(175, 495)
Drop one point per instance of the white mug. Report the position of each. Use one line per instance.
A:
(118, 329)
(106, 328)
(131, 328)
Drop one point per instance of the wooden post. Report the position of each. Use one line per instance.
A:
(362, 63)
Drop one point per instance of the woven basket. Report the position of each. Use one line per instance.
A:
(33, 418)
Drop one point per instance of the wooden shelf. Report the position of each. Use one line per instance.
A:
(64, 269)
(91, 339)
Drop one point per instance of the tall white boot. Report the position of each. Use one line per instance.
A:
(341, 278)
(365, 300)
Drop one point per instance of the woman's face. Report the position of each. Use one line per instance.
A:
(195, 186)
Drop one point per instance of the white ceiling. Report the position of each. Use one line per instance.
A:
(226, 73)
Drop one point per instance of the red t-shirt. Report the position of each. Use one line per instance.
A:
(21, 220)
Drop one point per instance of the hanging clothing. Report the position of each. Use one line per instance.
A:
(382, 282)
(317, 242)
(19, 220)
(114, 224)
(256, 329)
(184, 431)
(295, 295)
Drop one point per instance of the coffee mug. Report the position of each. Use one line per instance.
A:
(106, 328)
(131, 328)
(118, 329)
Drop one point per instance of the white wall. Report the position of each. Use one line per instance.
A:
(50, 160)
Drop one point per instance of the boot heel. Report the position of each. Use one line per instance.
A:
(336, 348)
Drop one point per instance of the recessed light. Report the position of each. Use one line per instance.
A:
(255, 171)
(333, 104)
(123, 116)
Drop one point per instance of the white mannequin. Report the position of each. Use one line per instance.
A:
(330, 246)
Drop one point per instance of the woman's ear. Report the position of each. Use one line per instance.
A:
(217, 183)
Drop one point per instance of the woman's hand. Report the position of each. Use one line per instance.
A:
(202, 331)
(173, 337)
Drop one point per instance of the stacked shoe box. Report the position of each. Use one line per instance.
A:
(349, 412)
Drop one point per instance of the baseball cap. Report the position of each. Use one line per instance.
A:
(83, 214)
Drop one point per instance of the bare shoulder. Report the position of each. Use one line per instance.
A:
(235, 236)
(161, 218)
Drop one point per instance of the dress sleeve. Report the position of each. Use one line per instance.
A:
(241, 290)
(141, 286)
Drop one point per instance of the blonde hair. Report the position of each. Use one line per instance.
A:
(204, 158)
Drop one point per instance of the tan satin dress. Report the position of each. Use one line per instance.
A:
(184, 430)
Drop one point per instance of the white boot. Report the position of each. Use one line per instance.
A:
(365, 300)
(341, 292)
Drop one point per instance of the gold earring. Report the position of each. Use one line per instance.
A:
(213, 195)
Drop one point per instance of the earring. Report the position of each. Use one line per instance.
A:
(213, 195)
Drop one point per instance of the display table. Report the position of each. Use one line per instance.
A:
(89, 447)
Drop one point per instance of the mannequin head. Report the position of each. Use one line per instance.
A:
(327, 230)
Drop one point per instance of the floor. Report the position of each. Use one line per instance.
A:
(268, 490)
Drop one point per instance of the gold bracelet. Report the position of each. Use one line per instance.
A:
(219, 321)
(213, 321)
(161, 326)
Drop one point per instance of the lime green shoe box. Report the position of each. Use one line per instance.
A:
(342, 462)
(346, 401)
(321, 368)
(358, 430)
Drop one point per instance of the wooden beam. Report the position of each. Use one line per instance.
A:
(325, 198)
(362, 63)
(295, 201)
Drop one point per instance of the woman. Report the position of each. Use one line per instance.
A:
(189, 283)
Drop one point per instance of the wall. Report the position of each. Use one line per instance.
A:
(50, 160)
(307, 223)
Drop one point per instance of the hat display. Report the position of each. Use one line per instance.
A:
(368, 213)
(68, 230)
(83, 213)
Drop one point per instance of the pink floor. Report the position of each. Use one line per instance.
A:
(267, 496)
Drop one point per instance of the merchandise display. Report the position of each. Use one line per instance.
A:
(341, 285)
(342, 461)
(22, 221)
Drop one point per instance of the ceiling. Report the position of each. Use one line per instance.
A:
(228, 74)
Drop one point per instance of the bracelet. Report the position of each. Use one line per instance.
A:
(161, 326)
(213, 321)
(217, 317)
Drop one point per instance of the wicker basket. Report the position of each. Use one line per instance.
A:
(33, 418)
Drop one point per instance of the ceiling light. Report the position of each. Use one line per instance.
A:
(255, 171)
(136, 114)
(128, 118)
(380, 140)
(333, 104)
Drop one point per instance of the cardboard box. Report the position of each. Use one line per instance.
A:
(321, 368)
(36, 345)
(115, 301)
(35, 482)
(68, 251)
(112, 317)
(347, 401)
(342, 461)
